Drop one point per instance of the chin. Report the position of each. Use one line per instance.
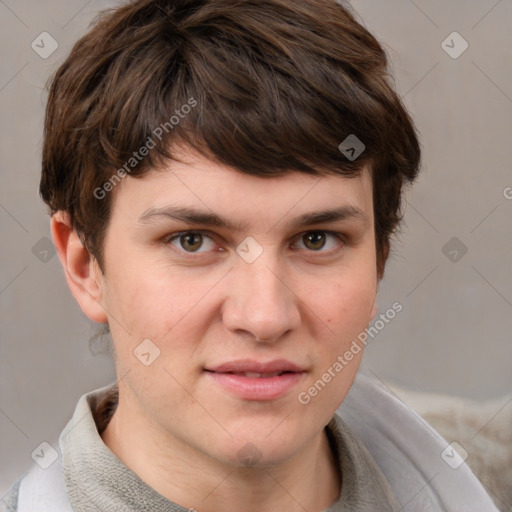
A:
(252, 456)
(263, 450)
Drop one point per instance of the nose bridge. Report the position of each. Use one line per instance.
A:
(264, 279)
(261, 301)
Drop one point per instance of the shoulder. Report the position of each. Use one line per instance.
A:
(411, 455)
(45, 489)
(40, 489)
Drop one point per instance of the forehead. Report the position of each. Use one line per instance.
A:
(238, 200)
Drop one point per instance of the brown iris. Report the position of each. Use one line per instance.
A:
(316, 238)
(191, 241)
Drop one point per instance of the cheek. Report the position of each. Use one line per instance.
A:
(350, 299)
(347, 306)
(150, 300)
(165, 306)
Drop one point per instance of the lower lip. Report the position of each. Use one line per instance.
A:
(259, 388)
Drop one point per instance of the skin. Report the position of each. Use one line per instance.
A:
(299, 300)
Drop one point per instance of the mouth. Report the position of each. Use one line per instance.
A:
(252, 380)
(255, 375)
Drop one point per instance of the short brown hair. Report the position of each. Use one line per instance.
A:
(277, 86)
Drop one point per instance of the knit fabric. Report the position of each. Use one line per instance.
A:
(96, 479)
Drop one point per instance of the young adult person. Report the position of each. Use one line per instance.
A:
(224, 178)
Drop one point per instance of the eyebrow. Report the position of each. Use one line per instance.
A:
(204, 218)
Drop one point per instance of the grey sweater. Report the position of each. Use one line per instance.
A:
(96, 480)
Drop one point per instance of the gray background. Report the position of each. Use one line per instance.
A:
(453, 334)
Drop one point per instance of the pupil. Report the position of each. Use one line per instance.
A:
(188, 239)
(316, 238)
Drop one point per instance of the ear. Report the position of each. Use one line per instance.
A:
(83, 274)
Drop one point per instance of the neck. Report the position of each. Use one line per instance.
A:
(310, 480)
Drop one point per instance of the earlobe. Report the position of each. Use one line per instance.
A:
(83, 275)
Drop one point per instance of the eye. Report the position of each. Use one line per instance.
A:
(317, 240)
(190, 241)
(194, 242)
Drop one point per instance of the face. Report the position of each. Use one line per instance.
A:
(247, 293)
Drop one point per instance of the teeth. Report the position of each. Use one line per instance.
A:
(255, 375)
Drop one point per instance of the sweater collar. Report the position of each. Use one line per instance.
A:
(94, 475)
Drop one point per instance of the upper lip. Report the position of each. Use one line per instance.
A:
(249, 365)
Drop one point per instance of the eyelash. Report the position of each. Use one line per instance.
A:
(340, 236)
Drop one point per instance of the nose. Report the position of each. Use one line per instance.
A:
(260, 300)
